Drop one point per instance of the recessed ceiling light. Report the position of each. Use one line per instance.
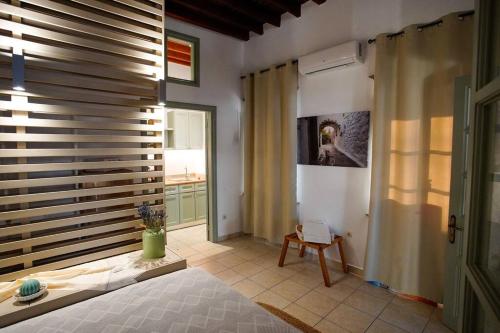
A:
(19, 88)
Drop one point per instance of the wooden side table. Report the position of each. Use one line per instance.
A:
(320, 248)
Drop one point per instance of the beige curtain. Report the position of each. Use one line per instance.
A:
(411, 168)
(270, 109)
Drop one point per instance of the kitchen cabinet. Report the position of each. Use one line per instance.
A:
(187, 207)
(185, 203)
(196, 130)
(201, 204)
(172, 209)
(186, 129)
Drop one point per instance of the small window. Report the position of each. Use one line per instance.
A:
(183, 60)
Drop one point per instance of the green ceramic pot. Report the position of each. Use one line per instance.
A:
(153, 243)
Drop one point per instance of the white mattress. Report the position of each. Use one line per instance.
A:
(189, 300)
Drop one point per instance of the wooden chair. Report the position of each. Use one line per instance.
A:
(319, 247)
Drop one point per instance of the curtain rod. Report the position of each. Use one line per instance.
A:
(423, 26)
(294, 61)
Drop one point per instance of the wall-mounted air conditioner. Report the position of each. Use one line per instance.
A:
(336, 57)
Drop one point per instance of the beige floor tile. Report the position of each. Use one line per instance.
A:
(268, 278)
(300, 313)
(290, 290)
(407, 320)
(423, 309)
(266, 261)
(248, 288)
(229, 276)
(336, 291)
(351, 319)
(308, 279)
(376, 291)
(185, 252)
(366, 303)
(283, 271)
(230, 260)
(317, 303)
(380, 326)
(247, 269)
(268, 297)
(434, 326)
(247, 254)
(326, 326)
(212, 267)
(350, 281)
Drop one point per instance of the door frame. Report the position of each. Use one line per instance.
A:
(210, 161)
(474, 286)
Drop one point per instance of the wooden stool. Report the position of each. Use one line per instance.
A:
(319, 247)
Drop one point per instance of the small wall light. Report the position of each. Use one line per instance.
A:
(18, 72)
(162, 92)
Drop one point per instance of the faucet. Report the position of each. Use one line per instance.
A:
(186, 174)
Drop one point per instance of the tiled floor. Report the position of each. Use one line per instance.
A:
(350, 305)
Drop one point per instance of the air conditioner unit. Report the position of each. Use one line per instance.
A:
(336, 57)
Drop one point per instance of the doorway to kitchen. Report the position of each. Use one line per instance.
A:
(190, 177)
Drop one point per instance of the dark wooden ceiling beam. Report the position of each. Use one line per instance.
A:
(291, 6)
(174, 10)
(221, 13)
(251, 10)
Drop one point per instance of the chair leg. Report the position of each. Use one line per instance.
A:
(324, 269)
(302, 251)
(342, 257)
(283, 252)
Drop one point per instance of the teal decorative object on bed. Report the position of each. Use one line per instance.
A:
(29, 287)
(153, 238)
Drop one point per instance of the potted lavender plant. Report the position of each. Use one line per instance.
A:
(153, 238)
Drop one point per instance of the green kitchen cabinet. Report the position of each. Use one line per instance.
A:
(201, 204)
(172, 210)
(187, 207)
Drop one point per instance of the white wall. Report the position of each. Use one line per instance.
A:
(178, 159)
(221, 61)
(339, 195)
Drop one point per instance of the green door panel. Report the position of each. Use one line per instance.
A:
(201, 205)
(187, 207)
(172, 209)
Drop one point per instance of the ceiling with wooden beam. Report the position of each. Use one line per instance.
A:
(236, 18)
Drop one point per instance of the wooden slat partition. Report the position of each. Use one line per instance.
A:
(81, 146)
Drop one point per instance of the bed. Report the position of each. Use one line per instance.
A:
(189, 300)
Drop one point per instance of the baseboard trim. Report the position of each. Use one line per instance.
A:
(229, 236)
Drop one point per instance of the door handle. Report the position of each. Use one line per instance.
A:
(452, 228)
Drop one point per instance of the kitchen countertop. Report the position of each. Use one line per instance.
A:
(183, 181)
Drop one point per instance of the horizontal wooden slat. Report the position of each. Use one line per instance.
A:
(95, 18)
(53, 181)
(79, 41)
(38, 167)
(82, 81)
(33, 122)
(70, 221)
(79, 110)
(31, 212)
(25, 198)
(58, 237)
(139, 5)
(72, 261)
(67, 249)
(78, 27)
(12, 137)
(78, 152)
(121, 12)
(57, 52)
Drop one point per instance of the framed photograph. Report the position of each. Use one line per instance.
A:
(339, 139)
